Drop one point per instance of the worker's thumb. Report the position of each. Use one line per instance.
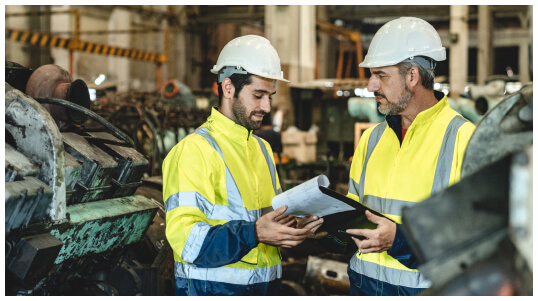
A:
(372, 217)
(279, 211)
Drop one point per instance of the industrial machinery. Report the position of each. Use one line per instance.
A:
(73, 222)
(475, 237)
(155, 122)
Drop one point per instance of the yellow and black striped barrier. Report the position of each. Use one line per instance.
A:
(48, 40)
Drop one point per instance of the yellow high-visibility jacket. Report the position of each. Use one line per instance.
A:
(216, 183)
(388, 176)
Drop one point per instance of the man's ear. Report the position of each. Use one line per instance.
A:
(413, 77)
(228, 88)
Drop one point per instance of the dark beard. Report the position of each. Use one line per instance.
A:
(240, 114)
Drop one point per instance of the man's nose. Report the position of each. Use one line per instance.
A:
(373, 84)
(265, 104)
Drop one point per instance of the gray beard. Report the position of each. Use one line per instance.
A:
(396, 108)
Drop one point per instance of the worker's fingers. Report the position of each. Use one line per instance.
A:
(370, 250)
(290, 223)
(374, 218)
(283, 219)
(287, 246)
(276, 213)
(314, 225)
(291, 243)
(368, 244)
(367, 233)
(290, 234)
(293, 231)
(302, 222)
(287, 237)
(280, 217)
(363, 248)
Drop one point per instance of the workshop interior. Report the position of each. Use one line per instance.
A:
(96, 96)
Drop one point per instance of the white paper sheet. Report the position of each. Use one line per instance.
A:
(306, 199)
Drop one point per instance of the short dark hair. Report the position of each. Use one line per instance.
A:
(427, 75)
(239, 81)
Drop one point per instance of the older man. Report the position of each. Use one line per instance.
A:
(417, 151)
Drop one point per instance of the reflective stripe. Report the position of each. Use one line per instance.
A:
(195, 241)
(446, 154)
(269, 162)
(353, 186)
(212, 211)
(372, 142)
(387, 206)
(412, 279)
(440, 180)
(227, 274)
(233, 194)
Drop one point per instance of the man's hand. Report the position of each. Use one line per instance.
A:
(378, 240)
(311, 222)
(286, 220)
(270, 230)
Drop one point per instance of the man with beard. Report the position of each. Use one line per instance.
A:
(218, 184)
(416, 152)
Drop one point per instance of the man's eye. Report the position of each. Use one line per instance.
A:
(258, 96)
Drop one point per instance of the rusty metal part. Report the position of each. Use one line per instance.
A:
(55, 82)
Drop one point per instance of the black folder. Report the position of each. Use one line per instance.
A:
(353, 219)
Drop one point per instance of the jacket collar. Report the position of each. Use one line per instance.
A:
(226, 126)
(395, 121)
(431, 114)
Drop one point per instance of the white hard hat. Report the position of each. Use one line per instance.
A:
(403, 39)
(254, 54)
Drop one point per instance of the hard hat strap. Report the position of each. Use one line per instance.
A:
(228, 71)
(426, 63)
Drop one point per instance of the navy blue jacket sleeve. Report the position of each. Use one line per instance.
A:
(226, 244)
(401, 250)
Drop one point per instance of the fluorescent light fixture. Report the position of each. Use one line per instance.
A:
(93, 94)
(100, 79)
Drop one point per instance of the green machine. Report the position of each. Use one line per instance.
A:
(73, 223)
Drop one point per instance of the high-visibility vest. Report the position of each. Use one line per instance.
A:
(387, 177)
(219, 173)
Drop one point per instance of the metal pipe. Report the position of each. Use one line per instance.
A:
(115, 131)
